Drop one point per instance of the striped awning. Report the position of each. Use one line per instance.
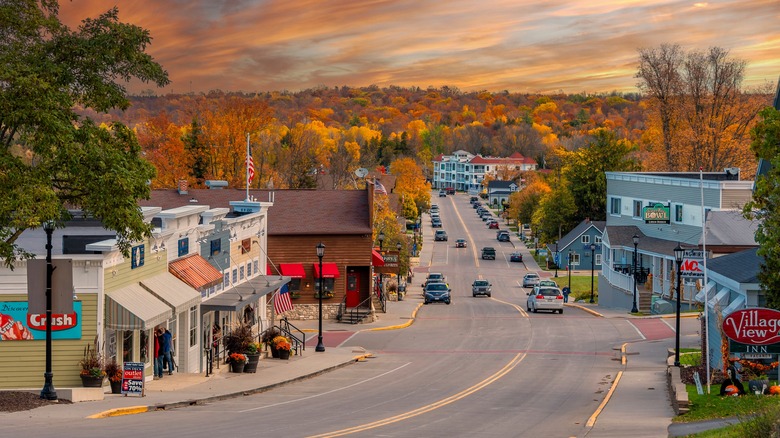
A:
(172, 291)
(235, 298)
(134, 308)
(195, 271)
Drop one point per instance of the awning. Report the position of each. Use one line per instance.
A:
(268, 269)
(292, 270)
(195, 271)
(376, 258)
(329, 270)
(172, 291)
(133, 308)
(235, 298)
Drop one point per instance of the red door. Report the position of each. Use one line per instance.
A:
(353, 290)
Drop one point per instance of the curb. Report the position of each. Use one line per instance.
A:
(398, 326)
(591, 311)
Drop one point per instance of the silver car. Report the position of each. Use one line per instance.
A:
(531, 279)
(545, 298)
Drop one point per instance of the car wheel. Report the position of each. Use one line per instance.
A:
(527, 307)
(536, 310)
(560, 311)
(425, 302)
(488, 295)
(474, 295)
(448, 302)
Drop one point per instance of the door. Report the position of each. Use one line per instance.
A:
(353, 289)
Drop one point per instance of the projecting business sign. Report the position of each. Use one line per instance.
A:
(693, 264)
(754, 326)
(656, 214)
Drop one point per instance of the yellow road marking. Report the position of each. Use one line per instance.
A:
(592, 419)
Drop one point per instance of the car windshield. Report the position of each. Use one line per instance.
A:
(433, 277)
(480, 283)
(531, 276)
(549, 292)
(548, 283)
(436, 286)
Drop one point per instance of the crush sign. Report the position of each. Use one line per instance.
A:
(755, 330)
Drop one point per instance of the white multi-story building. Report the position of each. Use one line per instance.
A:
(465, 171)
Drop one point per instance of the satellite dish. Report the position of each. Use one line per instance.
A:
(361, 172)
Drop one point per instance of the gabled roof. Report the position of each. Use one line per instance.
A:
(729, 228)
(579, 230)
(741, 267)
(301, 212)
(500, 184)
(622, 235)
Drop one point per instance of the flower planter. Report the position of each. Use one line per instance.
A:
(91, 382)
(251, 363)
(284, 354)
(237, 367)
(274, 352)
(116, 387)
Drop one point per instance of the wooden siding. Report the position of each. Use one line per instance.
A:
(66, 353)
(121, 275)
(734, 199)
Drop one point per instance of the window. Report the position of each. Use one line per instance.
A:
(216, 247)
(227, 279)
(256, 263)
(294, 285)
(241, 272)
(235, 275)
(575, 259)
(184, 246)
(678, 213)
(193, 326)
(246, 246)
(138, 257)
(614, 206)
(327, 284)
(597, 240)
(598, 259)
(637, 209)
(585, 239)
(248, 269)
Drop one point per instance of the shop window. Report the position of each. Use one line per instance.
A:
(575, 259)
(637, 209)
(184, 246)
(327, 284)
(127, 346)
(248, 269)
(193, 326)
(241, 272)
(235, 275)
(294, 284)
(678, 213)
(144, 342)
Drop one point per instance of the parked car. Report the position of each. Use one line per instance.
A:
(531, 279)
(434, 208)
(516, 257)
(548, 283)
(545, 298)
(485, 216)
(473, 199)
(476, 205)
(480, 287)
(436, 223)
(460, 243)
(436, 291)
(493, 225)
(435, 214)
(442, 194)
(488, 253)
(440, 235)
(503, 236)
(450, 190)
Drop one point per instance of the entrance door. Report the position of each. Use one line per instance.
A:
(353, 289)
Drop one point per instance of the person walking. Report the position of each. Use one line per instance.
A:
(566, 293)
(158, 357)
(167, 351)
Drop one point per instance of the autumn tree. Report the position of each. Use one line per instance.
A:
(410, 185)
(555, 214)
(524, 203)
(162, 143)
(765, 206)
(53, 159)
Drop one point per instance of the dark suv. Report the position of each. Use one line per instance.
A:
(503, 236)
(440, 235)
(488, 253)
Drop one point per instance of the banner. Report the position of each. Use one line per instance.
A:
(17, 325)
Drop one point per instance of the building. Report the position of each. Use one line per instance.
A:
(498, 192)
(465, 172)
(574, 249)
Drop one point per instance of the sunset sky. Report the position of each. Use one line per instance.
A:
(495, 45)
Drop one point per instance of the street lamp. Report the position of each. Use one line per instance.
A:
(636, 242)
(398, 247)
(555, 259)
(320, 254)
(679, 252)
(571, 255)
(48, 392)
(592, 267)
(381, 238)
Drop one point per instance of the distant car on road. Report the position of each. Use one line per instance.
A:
(460, 243)
(488, 253)
(493, 225)
(440, 235)
(531, 279)
(442, 194)
(436, 291)
(434, 277)
(545, 298)
(436, 223)
(480, 287)
(450, 190)
(516, 257)
(503, 236)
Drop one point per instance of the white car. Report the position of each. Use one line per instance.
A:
(531, 279)
(545, 298)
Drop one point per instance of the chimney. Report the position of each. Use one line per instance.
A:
(183, 186)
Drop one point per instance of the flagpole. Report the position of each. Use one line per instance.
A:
(246, 166)
(706, 294)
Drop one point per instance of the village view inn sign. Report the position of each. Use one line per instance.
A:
(754, 330)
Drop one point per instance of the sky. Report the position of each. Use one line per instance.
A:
(523, 46)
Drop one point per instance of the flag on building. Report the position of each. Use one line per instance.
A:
(379, 188)
(250, 167)
(282, 302)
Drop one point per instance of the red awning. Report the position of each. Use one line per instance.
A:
(195, 271)
(329, 270)
(376, 258)
(268, 269)
(293, 270)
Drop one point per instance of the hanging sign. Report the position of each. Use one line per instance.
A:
(692, 266)
(656, 214)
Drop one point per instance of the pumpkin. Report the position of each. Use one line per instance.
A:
(732, 390)
(774, 390)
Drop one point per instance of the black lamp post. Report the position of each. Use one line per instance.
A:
(381, 238)
(555, 259)
(320, 254)
(679, 252)
(636, 242)
(571, 255)
(48, 392)
(592, 267)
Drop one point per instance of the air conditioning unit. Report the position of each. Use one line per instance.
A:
(732, 171)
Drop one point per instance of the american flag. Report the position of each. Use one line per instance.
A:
(379, 188)
(250, 167)
(282, 302)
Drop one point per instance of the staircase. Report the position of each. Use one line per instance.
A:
(645, 299)
(355, 315)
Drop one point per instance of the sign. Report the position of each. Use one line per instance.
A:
(61, 285)
(656, 214)
(736, 347)
(391, 263)
(697, 380)
(692, 266)
(754, 326)
(133, 378)
(16, 324)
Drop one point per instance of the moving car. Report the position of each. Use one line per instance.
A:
(549, 283)
(434, 277)
(450, 190)
(460, 243)
(442, 194)
(531, 279)
(436, 291)
(516, 257)
(492, 224)
(545, 298)
(503, 236)
(440, 235)
(480, 287)
(488, 253)
(436, 223)
(434, 207)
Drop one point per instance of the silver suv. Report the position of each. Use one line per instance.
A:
(480, 287)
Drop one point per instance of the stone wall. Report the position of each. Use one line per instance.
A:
(303, 312)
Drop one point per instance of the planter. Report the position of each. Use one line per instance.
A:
(274, 352)
(91, 382)
(284, 354)
(116, 387)
(237, 367)
(251, 364)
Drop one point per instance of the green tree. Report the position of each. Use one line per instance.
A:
(555, 215)
(765, 206)
(584, 170)
(197, 149)
(51, 158)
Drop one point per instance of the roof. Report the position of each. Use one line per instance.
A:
(741, 267)
(623, 235)
(500, 184)
(299, 212)
(730, 228)
(579, 230)
(501, 160)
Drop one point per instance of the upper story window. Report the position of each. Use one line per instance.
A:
(637, 209)
(597, 240)
(614, 206)
(585, 239)
(678, 213)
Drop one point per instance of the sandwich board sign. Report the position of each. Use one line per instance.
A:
(133, 378)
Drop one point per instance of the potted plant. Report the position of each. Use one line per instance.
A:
(268, 337)
(283, 345)
(252, 356)
(92, 372)
(238, 339)
(114, 374)
(755, 373)
(237, 362)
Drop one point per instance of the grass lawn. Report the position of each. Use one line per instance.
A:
(580, 286)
